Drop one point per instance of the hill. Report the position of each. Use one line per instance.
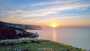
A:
(41, 45)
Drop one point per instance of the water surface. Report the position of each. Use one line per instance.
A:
(78, 37)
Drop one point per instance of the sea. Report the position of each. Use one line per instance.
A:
(77, 37)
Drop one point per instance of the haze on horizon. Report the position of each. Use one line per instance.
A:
(41, 12)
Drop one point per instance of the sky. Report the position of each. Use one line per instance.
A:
(65, 12)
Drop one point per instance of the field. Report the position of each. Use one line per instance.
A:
(41, 45)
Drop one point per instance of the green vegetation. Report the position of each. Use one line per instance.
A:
(41, 45)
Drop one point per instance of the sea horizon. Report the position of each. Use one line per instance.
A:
(78, 37)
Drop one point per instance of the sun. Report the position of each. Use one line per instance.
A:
(53, 24)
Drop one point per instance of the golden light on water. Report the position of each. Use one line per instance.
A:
(54, 24)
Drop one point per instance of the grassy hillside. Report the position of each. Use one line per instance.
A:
(41, 45)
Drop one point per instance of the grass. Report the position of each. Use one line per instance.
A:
(41, 45)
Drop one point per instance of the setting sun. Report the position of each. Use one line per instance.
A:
(53, 24)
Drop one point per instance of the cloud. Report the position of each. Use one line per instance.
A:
(52, 2)
(42, 12)
(48, 10)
